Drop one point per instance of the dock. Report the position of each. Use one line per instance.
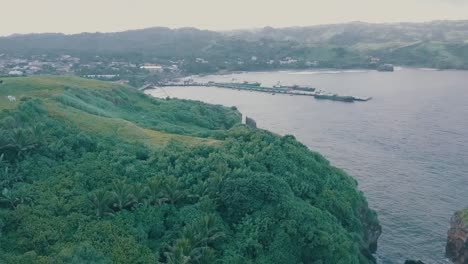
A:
(256, 87)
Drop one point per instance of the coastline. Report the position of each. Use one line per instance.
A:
(319, 70)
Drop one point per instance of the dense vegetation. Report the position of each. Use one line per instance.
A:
(92, 172)
(441, 44)
(463, 214)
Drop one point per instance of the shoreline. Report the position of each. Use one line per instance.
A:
(319, 70)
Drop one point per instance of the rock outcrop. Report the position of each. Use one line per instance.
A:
(414, 262)
(250, 122)
(457, 240)
(372, 231)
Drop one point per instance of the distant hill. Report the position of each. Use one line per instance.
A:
(358, 34)
(152, 40)
(439, 44)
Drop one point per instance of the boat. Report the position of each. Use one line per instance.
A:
(252, 83)
(341, 98)
(334, 97)
(386, 68)
(362, 99)
(278, 85)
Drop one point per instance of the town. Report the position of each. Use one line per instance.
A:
(137, 72)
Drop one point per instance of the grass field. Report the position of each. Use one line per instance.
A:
(118, 127)
(43, 87)
(107, 108)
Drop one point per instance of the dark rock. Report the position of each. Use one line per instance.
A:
(250, 122)
(457, 238)
(386, 68)
(372, 231)
(414, 262)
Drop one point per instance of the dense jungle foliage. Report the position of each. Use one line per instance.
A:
(93, 172)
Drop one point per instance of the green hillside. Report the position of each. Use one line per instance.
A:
(94, 172)
(439, 44)
(463, 214)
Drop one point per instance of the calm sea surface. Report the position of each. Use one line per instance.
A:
(408, 147)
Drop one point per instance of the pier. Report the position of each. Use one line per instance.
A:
(256, 87)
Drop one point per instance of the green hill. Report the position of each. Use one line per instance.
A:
(93, 172)
(440, 44)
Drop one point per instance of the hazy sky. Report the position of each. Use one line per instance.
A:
(72, 16)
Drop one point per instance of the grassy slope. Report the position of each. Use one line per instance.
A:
(86, 103)
(463, 214)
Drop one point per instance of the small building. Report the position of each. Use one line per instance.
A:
(374, 60)
(101, 76)
(15, 73)
(312, 63)
(122, 82)
(152, 67)
(201, 60)
(288, 60)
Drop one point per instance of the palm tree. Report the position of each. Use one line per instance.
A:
(23, 140)
(209, 230)
(101, 199)
(122, 195)
(154, 191)
(8, 176)
(180, 252)
(203, 232)
(9, 197)
(173, 189)
(139, 192)
(194, 244)
(207, 256)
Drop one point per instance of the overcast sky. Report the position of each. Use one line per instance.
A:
(73, 16)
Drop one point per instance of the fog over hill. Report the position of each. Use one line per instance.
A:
(360, 32)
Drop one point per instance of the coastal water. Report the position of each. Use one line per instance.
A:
(408, 147)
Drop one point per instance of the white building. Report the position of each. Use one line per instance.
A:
(15, 73)
(201, 60)
(288, 60)
(102, 76)
(152, 67)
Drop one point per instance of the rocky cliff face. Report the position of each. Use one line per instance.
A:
(250, 122)
(372, 231)
(457, 240)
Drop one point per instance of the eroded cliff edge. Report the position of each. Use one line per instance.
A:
(457, 240)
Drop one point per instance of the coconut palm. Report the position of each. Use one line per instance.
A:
(10, 198)
(203, 232)
(139, 192)
(180, 252)
(101, 200)
(154, 191)
(173, 189)
(122, 195)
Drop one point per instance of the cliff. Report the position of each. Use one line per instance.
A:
(457, 240)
